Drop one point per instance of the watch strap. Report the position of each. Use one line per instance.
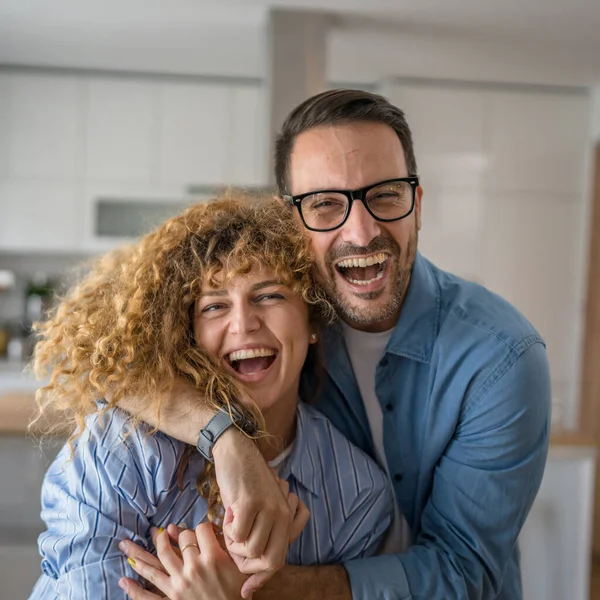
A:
(216, 427)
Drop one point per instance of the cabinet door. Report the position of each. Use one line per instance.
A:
(39, 216)
(537, 141)
(4, 125)
(195, 133)
(447, 124)
(249, 148)
(122, 131)
(46, 127)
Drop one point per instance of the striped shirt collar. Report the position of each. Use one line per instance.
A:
(302, 463)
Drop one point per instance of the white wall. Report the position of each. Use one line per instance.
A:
(595, 113)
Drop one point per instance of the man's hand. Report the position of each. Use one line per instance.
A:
(259, 515)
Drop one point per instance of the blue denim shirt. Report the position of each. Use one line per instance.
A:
(464, 387)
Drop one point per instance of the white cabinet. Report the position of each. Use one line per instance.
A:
(195, 133)
(122, 131)
(556, 539)
(4, 125)
(248, 158)
(45, 133)
(448, 132)
(40, 216)
(537, 141)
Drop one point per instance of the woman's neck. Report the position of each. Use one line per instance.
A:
(280, 421)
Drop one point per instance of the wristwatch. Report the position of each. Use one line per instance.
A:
(217, 426)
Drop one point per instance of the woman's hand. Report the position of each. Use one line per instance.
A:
(200, 570)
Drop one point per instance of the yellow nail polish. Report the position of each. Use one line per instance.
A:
(161, 529)
(131, 562)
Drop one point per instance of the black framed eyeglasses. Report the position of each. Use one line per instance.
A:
(325, 210)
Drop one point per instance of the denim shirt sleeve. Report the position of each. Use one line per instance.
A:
(483, 489)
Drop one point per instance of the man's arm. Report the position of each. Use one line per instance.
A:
(483, 489)
(261, 514)
(307, 583)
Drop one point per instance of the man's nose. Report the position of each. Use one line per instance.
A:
(361, 227)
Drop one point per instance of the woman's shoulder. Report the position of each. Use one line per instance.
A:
(320, 437)
(113, 432)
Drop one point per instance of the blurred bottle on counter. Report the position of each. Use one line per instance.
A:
(39, 294)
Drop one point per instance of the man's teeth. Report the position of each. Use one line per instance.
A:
(376, 259)
(250, 353)
(365, 281)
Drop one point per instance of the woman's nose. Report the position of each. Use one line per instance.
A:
(244, 320)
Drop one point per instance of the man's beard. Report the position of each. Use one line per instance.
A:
(398, 280)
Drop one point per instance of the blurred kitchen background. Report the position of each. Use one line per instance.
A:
(115, 114)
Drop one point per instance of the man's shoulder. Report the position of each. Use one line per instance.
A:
(472, 313)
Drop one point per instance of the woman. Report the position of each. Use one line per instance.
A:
(221, 296)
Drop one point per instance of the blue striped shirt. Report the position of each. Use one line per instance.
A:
(117, 486)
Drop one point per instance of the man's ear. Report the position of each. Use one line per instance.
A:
(418, 199)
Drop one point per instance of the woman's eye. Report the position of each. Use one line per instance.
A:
(269, 297)
(211, 308)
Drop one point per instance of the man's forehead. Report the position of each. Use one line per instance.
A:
(345, 157)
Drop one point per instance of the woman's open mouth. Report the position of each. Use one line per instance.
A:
(251, 361)
(365, 271)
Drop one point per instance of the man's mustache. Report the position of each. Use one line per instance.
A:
(378, 244)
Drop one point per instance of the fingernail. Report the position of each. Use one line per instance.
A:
(160, 530)
(131, 562)
(182, 525)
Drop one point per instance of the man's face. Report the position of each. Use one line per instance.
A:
(349, 157)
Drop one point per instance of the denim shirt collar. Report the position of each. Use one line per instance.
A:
(417, 328)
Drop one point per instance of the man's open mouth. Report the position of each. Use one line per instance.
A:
(364, 270)
(251, 360)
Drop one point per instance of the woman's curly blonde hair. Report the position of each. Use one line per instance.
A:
(126, 329)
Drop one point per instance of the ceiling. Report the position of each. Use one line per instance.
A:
(571, 26)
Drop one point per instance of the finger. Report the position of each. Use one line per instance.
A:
(241, 523)
(300, 520)
(135, 591)
(171, 561)
(207, 540)
(174, 531)
(154, 576)
(255, 582)
(284, 486)
(293, 501)
(132, 550)
(259, 536)
(188, 545)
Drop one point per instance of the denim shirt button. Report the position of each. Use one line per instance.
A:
(389, 407)
(383, 362)
(398, 477)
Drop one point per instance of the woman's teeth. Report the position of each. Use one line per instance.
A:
(250, 353)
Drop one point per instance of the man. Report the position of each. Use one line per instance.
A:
(442, 381)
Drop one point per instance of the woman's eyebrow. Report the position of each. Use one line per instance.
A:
(263, 284)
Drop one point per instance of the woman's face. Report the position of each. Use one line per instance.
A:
(260, 329)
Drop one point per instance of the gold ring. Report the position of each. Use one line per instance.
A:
(189, 546)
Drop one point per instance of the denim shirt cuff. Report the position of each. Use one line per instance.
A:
(378, 578)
